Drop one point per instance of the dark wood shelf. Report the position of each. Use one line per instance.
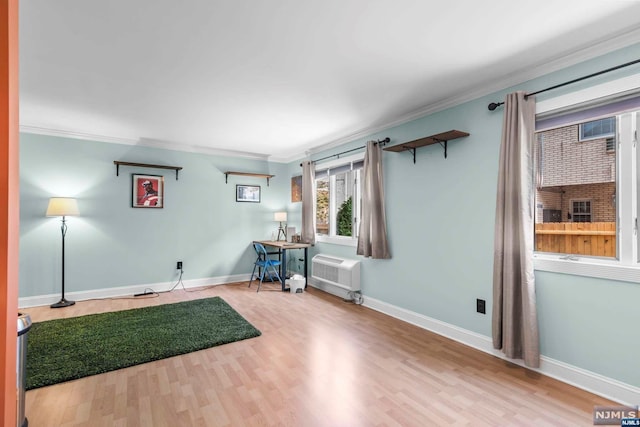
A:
(145, 165)
(441, 138)
(255, 175)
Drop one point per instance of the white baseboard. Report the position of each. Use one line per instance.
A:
(128, 290)
(590, 381)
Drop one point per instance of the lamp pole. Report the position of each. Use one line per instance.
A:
(282, 231)
(64, 207)
(63, 302)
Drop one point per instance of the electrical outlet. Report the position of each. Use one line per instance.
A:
(179, 265)
(481, 306)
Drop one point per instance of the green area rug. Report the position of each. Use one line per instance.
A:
(67, 349)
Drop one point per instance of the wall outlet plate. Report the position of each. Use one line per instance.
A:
(179, 265)
(481, 306)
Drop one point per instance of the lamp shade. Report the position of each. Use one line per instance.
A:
(62, 206)
(280, 216)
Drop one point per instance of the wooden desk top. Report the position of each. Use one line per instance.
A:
(283, 245)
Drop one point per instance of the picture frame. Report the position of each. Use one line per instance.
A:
(296, 189)
(147, 191)
(248, 193)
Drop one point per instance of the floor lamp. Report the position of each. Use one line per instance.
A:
(62, 206)
(281, 217)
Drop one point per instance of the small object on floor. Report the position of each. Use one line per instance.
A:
(296, 284)
(355, 297)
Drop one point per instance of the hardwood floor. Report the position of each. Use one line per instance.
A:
(319, 362)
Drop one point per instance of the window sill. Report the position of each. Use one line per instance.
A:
(335, 240)
(589, 267)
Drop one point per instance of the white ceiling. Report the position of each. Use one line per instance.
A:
(281, 77)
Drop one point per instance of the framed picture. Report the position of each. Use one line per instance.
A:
(248, 193)
(296, 189)
(147, 191)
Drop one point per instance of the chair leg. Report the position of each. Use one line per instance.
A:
(275, 270)
(261, 278)
(252, 273)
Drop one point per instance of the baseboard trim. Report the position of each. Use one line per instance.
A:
(592, 382)
(125, 291)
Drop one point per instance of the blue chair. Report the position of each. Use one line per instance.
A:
(264, 264)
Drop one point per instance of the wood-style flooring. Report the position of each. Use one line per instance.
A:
(319, 362)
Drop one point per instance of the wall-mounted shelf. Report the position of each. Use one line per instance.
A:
(145, 165)
(257, 175)
(441, 138)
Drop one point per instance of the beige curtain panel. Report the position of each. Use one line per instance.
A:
(515, 322)
(308, 233)
(372, 237)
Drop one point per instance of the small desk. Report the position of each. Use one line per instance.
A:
(283, 247)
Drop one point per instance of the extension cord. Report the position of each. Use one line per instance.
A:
(143, 293)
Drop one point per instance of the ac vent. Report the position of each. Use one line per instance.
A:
(327, 259)
(341, 272)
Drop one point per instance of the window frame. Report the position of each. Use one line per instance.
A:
(585, 214)
(333, 238)
(626, 266)
(581, 136)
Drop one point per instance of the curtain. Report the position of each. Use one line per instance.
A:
(372, 238)
(515, 323)
(308, 233)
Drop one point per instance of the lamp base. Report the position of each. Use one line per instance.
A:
(62, 303)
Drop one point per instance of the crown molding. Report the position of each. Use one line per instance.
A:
(298, 157)
(141, 142)
(77, 135)
(623, 39)
(169, 145)
(568, 59)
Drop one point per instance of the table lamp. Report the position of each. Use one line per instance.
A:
(281, 217)
(62, 206)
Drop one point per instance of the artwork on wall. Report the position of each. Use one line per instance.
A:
(248, 193)
(296, 188)
(147, 191)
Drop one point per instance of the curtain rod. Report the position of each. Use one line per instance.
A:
(495, 105)
(382, 142)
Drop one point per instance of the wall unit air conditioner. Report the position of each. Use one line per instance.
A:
(341, 272)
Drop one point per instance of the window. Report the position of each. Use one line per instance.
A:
(323, 197)
(338, 201)
(619, 99)
(581, 210)
(594, 189)
(596, 129)
(578, 181)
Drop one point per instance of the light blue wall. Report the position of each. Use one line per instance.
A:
(112, 244)
(440, 218)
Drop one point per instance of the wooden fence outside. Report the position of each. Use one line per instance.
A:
(579, 238)
(322, 228)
